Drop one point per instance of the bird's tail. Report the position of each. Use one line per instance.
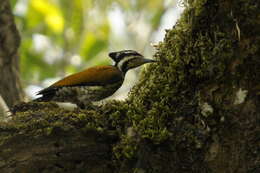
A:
(44, 98)
(47, 95)
(41, 99)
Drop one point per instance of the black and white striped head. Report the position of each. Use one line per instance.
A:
(128, 59)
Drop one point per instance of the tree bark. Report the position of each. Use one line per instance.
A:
(196, 110)
(10, 86)
(3, 110)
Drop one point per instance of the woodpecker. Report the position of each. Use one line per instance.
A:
(94, 83)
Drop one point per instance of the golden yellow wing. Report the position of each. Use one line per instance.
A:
(94, 76)
(100, 75)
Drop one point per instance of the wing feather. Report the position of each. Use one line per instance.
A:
(94, 76)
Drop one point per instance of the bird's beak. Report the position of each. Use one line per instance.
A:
(148, 60)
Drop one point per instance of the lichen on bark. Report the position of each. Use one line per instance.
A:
(210, 55)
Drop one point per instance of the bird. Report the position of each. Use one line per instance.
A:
(95, 83)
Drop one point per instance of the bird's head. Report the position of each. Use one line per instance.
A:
(128, 59)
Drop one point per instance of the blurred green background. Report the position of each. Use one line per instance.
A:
(60, 37)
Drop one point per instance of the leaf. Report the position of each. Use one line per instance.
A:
(94, 43)
(51, 14)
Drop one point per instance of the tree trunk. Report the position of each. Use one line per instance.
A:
(196, 110)
(10, 86)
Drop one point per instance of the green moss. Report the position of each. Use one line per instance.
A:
(201, 50)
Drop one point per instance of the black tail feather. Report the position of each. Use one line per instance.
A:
(43, 98)
(47, 95)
